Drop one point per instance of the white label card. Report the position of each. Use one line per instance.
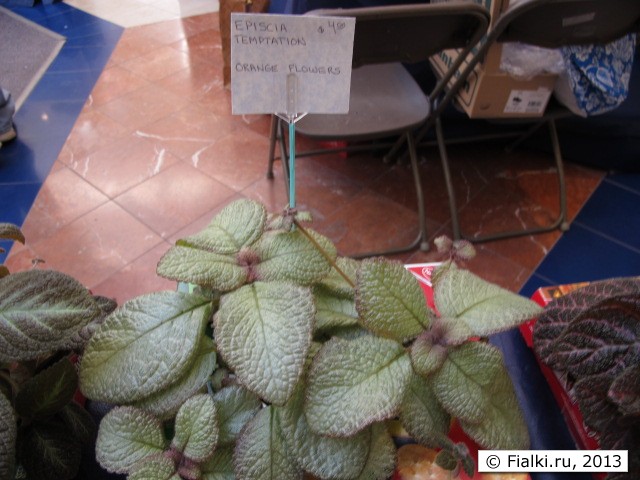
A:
(290, 63)
(527, 101)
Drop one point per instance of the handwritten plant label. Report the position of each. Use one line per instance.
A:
(281, 63)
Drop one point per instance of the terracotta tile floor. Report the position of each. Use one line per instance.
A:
(155, 153)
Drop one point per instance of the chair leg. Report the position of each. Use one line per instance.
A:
(444, 160)
(279, 135)
(560, 222)
(422, 217)
(421, 241)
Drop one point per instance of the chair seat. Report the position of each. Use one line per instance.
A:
(385, 100)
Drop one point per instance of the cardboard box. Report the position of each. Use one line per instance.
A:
(492, 93)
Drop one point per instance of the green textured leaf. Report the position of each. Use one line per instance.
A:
(79, 422)
(165, 403)
(263, 332)
(390, 301)
(446, 459)
(8, 433)
(333, 311)
(422, 415)
(154, 468)
(9, 231)
(41, 311)
(49, 391)
(427, 355)
(220, 466)
(324, 457)
(483, 307)
(239, 224)
(261, 453)
(292, 257)
(126, 436)
(353, 383)
(144, 347)
(191, 265)
(474, 386)
(464, 382)
(502, 427)
(381, 460)
(48, 451)
(236, 406)
(336, 283)
(196, 428)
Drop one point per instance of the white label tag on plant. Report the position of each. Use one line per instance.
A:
(527, 101)
(281, 63)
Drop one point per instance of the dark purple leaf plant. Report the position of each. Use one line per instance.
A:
(591, 339)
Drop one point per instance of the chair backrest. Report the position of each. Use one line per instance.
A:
(555, 23)
(412, 33)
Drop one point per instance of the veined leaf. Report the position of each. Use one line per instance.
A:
(79, 422)
(40, 312)
(238, 225)
(8, 433)
(9, 231)
(154, 468)
(390, 301)
(502, 426)
(48, 451)
(336, 283)
(263, 331)
(165, 403)
(353, 383)
(220, 466)
(382, 455)
(191, 265)
(144, 347)
(485, 308)
(563, 310)
(591, 394)
(464, 383)
(235, 406)
(196, 428)
(422, 415)
(427, 355)
(292, 257)
(324, 457)
(604, 339)
(333, 311)
(261, 454)
(49, 391)
(474, 386)
(126, 436)
(625, 391)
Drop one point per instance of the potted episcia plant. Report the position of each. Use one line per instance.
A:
(45, 319)
(281, 358)
(591, 338)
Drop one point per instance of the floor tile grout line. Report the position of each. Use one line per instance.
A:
(622, 186)
(607, 237)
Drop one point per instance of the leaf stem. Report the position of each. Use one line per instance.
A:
(324, 253)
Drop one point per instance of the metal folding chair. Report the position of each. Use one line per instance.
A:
(385, 100)
(549, 24)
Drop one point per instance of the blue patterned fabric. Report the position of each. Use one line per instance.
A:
(599, 75)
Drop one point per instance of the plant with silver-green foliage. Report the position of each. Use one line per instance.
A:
(286, 359)
(45, 318)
